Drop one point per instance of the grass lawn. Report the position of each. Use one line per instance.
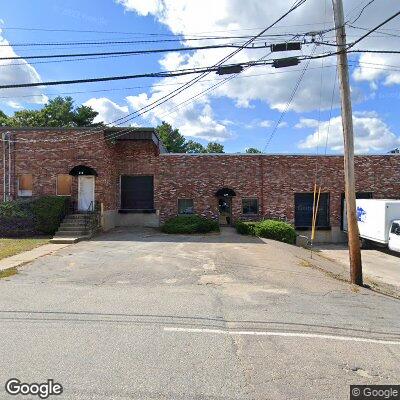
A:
(10, 247)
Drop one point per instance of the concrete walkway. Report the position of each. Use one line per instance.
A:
(30, 255)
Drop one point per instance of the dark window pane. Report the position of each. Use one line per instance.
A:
(395, 228)
(250, 206)
(185, 206)
(304, 209)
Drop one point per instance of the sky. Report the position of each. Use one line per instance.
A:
(250, 110)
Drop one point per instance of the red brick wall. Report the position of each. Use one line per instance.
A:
(271, 179)
(199, 177)
(46, 158)
(134, 158)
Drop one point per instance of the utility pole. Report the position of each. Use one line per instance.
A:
(347, 123)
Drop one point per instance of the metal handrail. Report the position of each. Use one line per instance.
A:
(92, 216)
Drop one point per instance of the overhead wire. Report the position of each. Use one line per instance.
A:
(163, 99)
(289, 102)
(354, 63)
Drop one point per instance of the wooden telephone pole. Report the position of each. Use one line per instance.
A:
(347, 123)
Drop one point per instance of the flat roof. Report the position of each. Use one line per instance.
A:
(122, 132)
(279, 154)
(100, 128)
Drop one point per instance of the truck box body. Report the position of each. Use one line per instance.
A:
(374, 218)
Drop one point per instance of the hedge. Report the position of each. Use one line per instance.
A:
(190, 224)
(49, 212)
(246, 227)
(40, 215)
(270, 229)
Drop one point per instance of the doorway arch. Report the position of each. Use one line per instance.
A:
(86, 187)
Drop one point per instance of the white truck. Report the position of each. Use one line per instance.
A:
(378, 222)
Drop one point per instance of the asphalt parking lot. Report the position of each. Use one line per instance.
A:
(136, 314)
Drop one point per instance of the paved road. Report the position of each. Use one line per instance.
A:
(142, 315)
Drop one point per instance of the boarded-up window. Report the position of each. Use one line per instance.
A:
(64, 184)
(25, 185)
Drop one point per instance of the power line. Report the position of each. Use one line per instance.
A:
(152, 33)
(362, 11)
(162, 74)
(206, 71)
(202, 93)
(373, 30)
(131, 52)
(175, 92)
(289, 102)
(379, 31)
(181, 72)
(113, 42)
(352, 44)
(190, 83)
(239, 76)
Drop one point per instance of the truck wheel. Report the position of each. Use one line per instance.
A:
(364, 244)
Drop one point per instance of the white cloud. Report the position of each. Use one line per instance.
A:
(200, 123)
(195, 119)
(142, 7)
(18, 71)
(137, 102)
(14, 104)
(107, 109)
(371, 134)
(266, 123)
(271, 86)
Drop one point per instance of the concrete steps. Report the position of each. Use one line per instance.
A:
(73, 228)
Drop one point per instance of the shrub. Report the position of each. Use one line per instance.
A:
(16, 219)
(190, 224)
(48, 212)
(276, 230)
(246, 227)
(14, 209)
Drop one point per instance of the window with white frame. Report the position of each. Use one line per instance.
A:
(185, 206)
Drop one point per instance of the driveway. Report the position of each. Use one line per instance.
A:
(379, 265)
(142, 315)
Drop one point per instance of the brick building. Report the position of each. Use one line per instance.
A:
(137, 183)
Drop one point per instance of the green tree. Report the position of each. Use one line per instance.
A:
(194, 147)
(253, 150)
(3, 119)
(173, 140)
(214, 147)
(58, 112)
